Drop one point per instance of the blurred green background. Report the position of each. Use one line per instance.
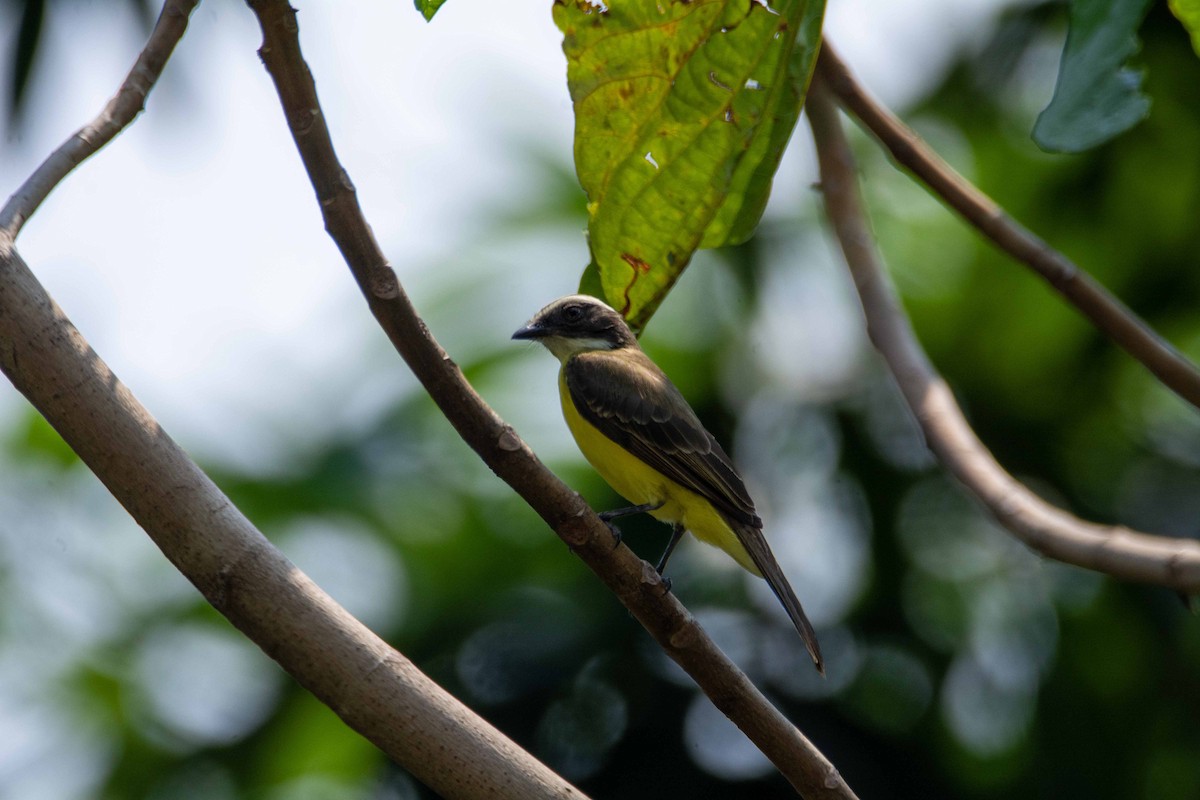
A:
(960, 664)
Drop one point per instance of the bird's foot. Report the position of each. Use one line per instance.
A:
(615, 513)
(614, 530)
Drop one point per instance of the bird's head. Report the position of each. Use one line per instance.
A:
(578, 324)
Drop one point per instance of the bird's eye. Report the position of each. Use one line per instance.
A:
(573, 313)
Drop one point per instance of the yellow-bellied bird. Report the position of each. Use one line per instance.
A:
(641, 435)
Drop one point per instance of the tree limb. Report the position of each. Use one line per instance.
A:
(1104, 311)
(1116, 550)
(126, 104)
(377, 691)
(633, 581)
(374, 689)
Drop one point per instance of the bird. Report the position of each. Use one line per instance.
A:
(639, 432)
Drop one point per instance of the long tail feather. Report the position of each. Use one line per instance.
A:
(756, 545)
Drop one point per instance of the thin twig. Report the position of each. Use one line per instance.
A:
(633, 581)
(374, 689)
(1115, 550)
(1106, 312)
(125, 105)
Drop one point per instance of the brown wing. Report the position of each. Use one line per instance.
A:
(632, 402)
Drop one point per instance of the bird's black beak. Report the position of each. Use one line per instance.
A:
(530, 331)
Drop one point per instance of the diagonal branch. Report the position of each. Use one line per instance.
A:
(633, 581)
(1116, 550)
(126, 104)
(1106, 312)
(374, 689)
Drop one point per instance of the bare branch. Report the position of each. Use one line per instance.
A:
(1106, 312)
(374, 689)
(377, 691)
(126, 104)
(1118, 551)
(633, 581)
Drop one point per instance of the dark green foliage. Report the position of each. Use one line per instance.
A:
(1097, 96)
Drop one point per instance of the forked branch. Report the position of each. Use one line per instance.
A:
(125, 105)
(1115, 550)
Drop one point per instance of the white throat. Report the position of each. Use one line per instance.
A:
(564, 347)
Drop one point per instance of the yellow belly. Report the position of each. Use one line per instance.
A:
(639, 483)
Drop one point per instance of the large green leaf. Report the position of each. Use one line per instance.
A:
(1097, 96)
(1188, 12)
(682, 112)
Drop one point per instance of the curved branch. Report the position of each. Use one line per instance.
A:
(126, 104)
(1106, 312)
(634, 582)
(1116, 550)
